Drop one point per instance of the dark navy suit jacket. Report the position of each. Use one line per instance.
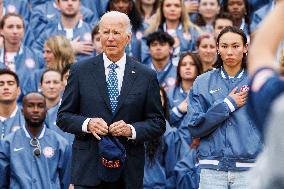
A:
(139, 104)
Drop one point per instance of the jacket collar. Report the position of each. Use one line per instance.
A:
(21, 50)
(78, 25)
(226, 76)
(40, 134)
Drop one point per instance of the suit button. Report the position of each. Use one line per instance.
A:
(34, 180)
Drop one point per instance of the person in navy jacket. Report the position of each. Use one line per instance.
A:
(88, 111)
(34, 156)
(11, 118)
(229, 139)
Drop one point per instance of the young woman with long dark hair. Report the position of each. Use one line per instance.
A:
(229, 140)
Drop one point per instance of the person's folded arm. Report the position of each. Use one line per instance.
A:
(204, 120)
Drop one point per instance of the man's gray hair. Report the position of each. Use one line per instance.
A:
(116, 14)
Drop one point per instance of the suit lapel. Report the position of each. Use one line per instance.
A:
(128, 80)
(100, 79)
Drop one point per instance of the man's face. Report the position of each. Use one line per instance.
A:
(123, 6)
(13, 30)
(114, 37)
(160, 51)
(236, 8)
(34, 109)
(9, 91)
(51, 85)
(69, 8)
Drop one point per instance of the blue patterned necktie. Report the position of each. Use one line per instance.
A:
(112, 86)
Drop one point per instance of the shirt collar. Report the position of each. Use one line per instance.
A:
(40, 135)
(121, 63)
(12, 115)
(21, 50)
(181, 89)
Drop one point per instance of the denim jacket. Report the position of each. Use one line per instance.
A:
(229, 139)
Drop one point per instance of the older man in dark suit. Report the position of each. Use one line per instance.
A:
(111, 95)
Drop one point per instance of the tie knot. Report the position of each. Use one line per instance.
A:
(113, 66)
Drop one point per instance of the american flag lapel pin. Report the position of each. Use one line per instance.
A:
(133, 72)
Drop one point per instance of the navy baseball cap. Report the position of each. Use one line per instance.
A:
(112, 157)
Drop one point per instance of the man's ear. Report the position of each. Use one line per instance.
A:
(19, 91)
(57, 4)
(129, 38)
(171, 50)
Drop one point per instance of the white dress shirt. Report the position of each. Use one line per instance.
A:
(120, 70)
(120, 73)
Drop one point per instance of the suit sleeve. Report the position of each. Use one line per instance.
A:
(154, 124)
(68, 118)
(204, 120)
